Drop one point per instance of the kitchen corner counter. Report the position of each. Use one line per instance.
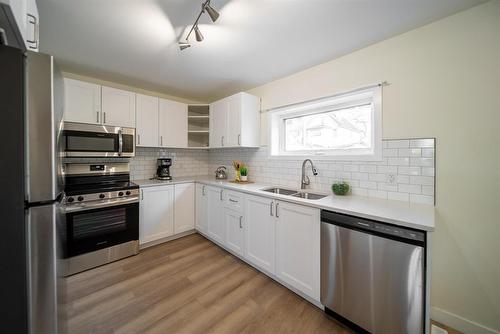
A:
(417, 216)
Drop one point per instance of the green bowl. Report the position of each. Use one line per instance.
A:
(340, 189)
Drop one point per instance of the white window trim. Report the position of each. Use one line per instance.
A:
(276, 129)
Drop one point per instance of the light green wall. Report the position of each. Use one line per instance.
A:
(444, 83)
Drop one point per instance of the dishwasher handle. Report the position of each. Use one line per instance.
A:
(385, 230)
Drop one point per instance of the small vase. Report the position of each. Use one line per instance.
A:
(244, 178)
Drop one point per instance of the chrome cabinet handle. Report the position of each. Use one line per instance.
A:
(271, 209)
(161, 140)
(221, 195)
(138, 139)
(33, 21)
(97, 116)
(222, 141)
(277, 206)
(232, 200)
(241, 226)
(142, 195)
(239, 139)
(203, 191)
(104, 117)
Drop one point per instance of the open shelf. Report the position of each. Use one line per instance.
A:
(198, 126)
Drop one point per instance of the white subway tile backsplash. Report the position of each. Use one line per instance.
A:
(398, 143)
(405, 173)
(424, 162)
(409, 170)
(422, 180)
(430, 142)
(410, 188)
(398, 161)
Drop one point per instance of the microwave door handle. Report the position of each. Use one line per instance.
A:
(120, 142)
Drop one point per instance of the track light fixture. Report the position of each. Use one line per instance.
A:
(197, 33)
(214, 15)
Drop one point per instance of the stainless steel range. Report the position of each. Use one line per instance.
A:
(102, 215)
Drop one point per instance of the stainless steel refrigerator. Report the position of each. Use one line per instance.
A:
(31, 102)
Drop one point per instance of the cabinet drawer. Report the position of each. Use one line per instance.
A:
(233, 200)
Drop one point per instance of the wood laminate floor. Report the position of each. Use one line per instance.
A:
(187, 285)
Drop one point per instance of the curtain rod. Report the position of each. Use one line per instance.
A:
(380, 84)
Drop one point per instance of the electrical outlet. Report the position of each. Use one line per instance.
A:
(391, 178)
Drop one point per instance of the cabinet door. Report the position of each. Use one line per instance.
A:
(250, 118)
(218, 123)
(215, 213)
(298, 247)
(184, 207)
(118, 107)
(82, 102)
(260, 232)
(234, 237)
(147, 121)
(173, 124)
(234, 121)
(201, 207)
(156, 213)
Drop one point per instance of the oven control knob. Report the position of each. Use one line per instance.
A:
(102, 195)
(120, 193)
(70, 199)
(80, 198)
(127, 193)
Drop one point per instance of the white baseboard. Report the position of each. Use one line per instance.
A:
(162, 240)
(459, 323)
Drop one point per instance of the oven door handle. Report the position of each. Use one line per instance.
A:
(100, 204)
(120, 142)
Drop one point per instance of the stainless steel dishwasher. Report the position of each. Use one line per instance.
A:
(372, 274)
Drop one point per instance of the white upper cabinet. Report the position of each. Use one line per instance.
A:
(184, 207)
(118, 107)
(82, 102)
(235, 121)
(298, 247)
(218, 123)
(260, 232)
(173, 124)
(26, 17)
(147, 121)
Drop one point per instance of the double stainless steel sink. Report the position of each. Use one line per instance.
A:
(294, 193)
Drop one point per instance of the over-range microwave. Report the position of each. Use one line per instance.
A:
(89, 140)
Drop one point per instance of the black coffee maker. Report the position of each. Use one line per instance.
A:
(163, 169)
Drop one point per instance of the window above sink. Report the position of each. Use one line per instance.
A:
(342, 127)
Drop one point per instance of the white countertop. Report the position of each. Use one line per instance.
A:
(418, 216)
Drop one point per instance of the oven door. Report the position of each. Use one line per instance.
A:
(87, 140)
(94, 226)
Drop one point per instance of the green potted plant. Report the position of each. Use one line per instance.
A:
(244, 174)
(340, 188)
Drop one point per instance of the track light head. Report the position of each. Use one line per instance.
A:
(214, 15)
(184, 45)
(197, 32)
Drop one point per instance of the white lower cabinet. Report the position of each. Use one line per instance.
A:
(298, 247)
(201, 208)
(215, 214)
(156, 213)
(234, 236)
(260, 232)
(184, 214)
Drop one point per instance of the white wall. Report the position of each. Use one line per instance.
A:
(444, 83)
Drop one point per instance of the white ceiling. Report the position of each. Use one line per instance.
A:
(134, 42)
